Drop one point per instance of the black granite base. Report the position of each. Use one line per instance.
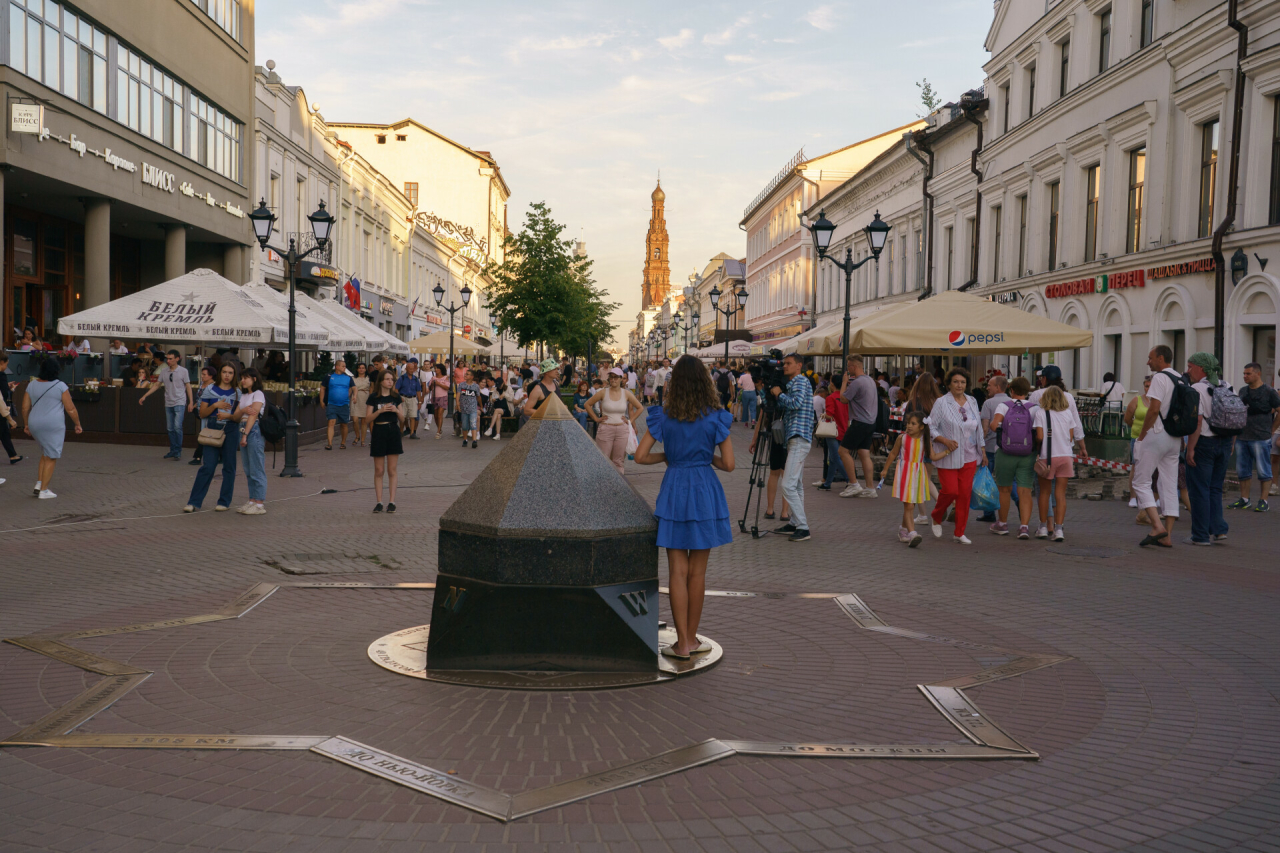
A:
(477, 625)
(545, 560)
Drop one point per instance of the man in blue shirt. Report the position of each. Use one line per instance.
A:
(798, 417)
(335, 396)
(409, 387)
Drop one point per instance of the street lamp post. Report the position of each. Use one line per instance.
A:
(438, 293)
(740, 296)
(263, 221)
(877, 232)
(493, 321)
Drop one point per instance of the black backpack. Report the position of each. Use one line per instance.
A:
(272, 421)
(882, 417)
(723, 382)
(1184, 406)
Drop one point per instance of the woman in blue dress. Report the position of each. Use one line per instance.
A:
(693, 516)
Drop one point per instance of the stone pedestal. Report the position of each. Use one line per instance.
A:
(548, 562)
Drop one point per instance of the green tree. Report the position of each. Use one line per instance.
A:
(542, 292)
(928, 97)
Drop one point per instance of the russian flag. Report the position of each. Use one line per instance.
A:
(351, 290)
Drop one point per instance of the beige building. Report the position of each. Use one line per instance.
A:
(124, 163)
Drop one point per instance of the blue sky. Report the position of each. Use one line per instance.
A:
(582, 103)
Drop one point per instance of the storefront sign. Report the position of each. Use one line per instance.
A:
(1201, 265)
(321, 271)
(386, 306)
(466, 329)
(190, 192)
(775, 334)
(157, 177)
(1121, 280)
(27, 118)
(1005, 298)
(81, 148)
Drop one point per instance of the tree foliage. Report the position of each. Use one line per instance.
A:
(928, 97)
(543, 292)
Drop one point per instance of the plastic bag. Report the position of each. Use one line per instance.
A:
(633, 443)
(986, 496)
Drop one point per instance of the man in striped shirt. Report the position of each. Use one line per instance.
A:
(798, 419)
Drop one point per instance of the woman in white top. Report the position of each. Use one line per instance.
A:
(619, 409)
(1056, 430)
(253, 445)
(956, 423)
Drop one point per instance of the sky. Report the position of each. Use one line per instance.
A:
(584, 103)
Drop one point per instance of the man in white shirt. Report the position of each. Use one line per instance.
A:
(1158, 453)
(1207, 455)
(1112, 390)
(118, 348)
(175, 380)
(663, 374)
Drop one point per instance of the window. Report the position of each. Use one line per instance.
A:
(411, 192)
(215, 138)
(153, 106)
(225, 13)
(1147, 26)
(1055, 195)
(902, 273)
(1022, 237)
(1064, 68)
(1274, 218)
(973, 249)
(657, 253)
(997, 222)
(920, 260)
(382, 139)
(65, 52)
(400, 137)
(889, 246)
(1104, 41)
(1137, 178)
(951, 246)
(1208, 175)
(1091, 213)
(1004, 98)
(1031, 91)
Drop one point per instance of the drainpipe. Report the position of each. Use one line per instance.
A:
(921, 140)
(1233, 180)
(813, 267)
(968, 110)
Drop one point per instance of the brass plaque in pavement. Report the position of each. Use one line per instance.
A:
(356, 585)
(858, 750)
(968, 718)
(421, 778)
(858, 611)
(934, 638)
(79, 709)
(142, 626)
(153, 741)
(532, 802)
(247, 600)
(1025, 664)
(76, 657)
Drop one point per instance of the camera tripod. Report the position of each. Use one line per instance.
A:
(759, 476)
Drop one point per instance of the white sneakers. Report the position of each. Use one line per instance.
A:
(252, 508)
(852, 491)
(1058, 535)
(936, 528)
(922, 519)
(868, 493)
(497, 438)
(817, 483)
(188, 508)
(45, 495)
(1042, 532)
(962, 540)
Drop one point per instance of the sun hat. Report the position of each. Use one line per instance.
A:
(549, 365)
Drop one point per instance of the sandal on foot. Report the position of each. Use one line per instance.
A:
(328, 447)
(342, 447)
(1152, 539)
(701, 649)
(771, 515)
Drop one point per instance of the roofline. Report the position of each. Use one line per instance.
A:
(409, 120)
(756, 209)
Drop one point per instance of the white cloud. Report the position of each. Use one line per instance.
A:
(726, 35)
(776, 96)
(566, 42)
(679, 40)
(823, 17)
(694, 98)
(738, 57)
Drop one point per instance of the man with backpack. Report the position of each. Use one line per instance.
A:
(1221, 419)
(1013, 427)
(1172, 412)
(724, 384)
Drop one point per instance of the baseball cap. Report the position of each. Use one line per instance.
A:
(1051, 372)
(549, 364)
(617, 371)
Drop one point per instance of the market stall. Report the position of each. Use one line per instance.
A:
(438, 344)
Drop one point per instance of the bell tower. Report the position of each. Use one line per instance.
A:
(657, 267)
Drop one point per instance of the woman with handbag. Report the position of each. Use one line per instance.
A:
(219, 438)
(956, 423)
(45, 409)
(830, 430)
(1056, 431)
(619, 409)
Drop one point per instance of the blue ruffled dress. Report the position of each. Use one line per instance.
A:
(691, 510)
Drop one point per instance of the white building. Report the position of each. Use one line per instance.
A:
(779, 252)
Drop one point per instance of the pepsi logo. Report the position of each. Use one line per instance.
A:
(956, 339)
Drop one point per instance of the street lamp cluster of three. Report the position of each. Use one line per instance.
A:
(877, 233)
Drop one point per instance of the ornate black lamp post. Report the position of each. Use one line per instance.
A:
(438, 293)
(877, 232)
(493, 321)
(740, 297)
(263, 221)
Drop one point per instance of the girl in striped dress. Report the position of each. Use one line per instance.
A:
(911, 483)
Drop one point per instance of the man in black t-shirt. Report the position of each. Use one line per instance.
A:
(1255, 444)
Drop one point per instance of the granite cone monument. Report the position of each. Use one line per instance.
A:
(547, 562)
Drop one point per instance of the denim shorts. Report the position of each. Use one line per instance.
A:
(470, 420)
(341, 414)
(1253, 456)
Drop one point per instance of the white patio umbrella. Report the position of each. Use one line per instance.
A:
(309, 331)
(344, 332)
(375, 339)
(199, 307)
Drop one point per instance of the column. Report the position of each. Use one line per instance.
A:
(97, 252)
(175, 251)
(233, 258)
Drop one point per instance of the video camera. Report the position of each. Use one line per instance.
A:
(770, 375)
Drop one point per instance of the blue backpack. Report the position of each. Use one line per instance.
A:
(1016, 435)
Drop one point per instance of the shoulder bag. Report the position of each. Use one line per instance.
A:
(826, 428)
(1044, 464)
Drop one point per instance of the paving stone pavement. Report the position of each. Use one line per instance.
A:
(1162, 733)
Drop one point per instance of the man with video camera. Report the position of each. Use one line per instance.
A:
(796, 404)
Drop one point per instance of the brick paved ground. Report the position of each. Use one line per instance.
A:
(1163, 733)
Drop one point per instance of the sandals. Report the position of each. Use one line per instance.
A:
(770, 515)
(670, 651)
(328, 447)
(342, 446)
(1153, 539)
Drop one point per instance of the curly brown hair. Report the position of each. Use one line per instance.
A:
(690, 394)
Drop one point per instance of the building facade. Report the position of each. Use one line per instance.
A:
(725, 273)
(124, 163)
(779, 253)
(656, 285)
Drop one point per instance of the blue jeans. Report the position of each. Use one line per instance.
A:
(255, 465)
(793, 480)
(173, 416)
(748, 406)
(1204, 487)
(226, 454)
(834, 462)
(581, 417)
(1253, 456)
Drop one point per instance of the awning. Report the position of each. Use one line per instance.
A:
(954, 322)
(373, 338)
(309, 330)
(438, 342)
(199, 307)
(737, 349)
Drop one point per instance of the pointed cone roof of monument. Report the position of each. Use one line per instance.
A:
(550, 481)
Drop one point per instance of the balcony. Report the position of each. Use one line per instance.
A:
(304, 240)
